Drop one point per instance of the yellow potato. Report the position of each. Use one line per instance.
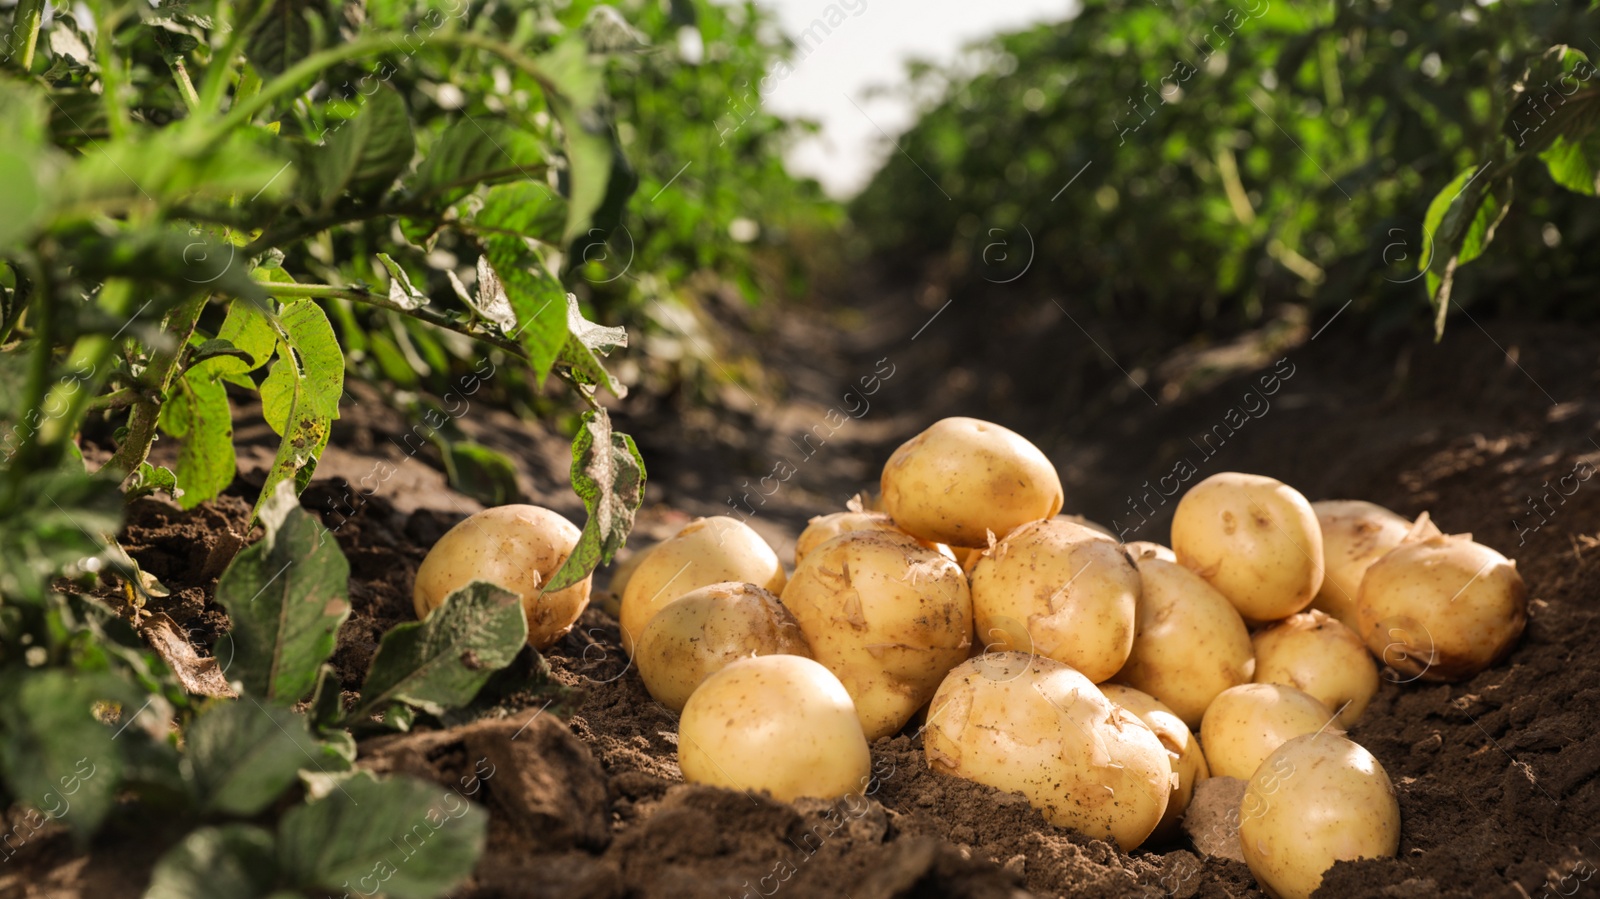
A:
(963, 479)
(707, 551)
(1189, 643)
(779, 724)
(1315, 801)
(1144, 549)
(1246, 723)
(1354, 535)
(1060, 590)
(887, 615)
(702, 631)
(823, 528)
(1442, 608)
(517, 547)
(1314, 653)
(1253, 538)
(1091, 525)
(1031, 725)
(1183, 750)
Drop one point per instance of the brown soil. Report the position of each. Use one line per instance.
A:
(1496, 776)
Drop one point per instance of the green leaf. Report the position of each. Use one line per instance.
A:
(249, 329)
(576, 101)
(440, 662)
(608, 473)
(408, 838)
(1459, 225)
(473, 151)
(197, 413)
(57, 757)
(51, 521)
(282, 39)
(149, 479)
(286, 597)
(24, 173)
(300, 396)
(1572, 162)
(487, 476)
(536, 298)
(401, 291)
(233, 861)
(327, 700)
(245, 755)
(364, 154)
(217, 348)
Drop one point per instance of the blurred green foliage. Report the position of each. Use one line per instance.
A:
(1223, 156)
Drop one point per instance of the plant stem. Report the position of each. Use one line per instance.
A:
(111, 77)
(158, 379)
(180, 75)
(121, 398)
(25, 31)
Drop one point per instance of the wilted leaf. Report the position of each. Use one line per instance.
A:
(285, 596)
(401, 291)
(197, 675)
(608, 473)
(534, 295)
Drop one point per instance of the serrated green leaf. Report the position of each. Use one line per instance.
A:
(534, 295)
(286, 597)
(473, 151)
(608, 473)
(282, 39)
(300, 396)
(402, 292)
(245, 755)
(197, 413)
(363, 155)
(408, 838)
(440, 662)
(233, 861)
(56, 756)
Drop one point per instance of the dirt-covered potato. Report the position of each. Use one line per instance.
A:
(1315, 653)
(1246, 723)
(1144, 549)
(704, 630)
(823, 528)
(779, 723)
(963, 479)
(517, 547)
(1189, 643)
(1061, 590)
(1318, 799)
(1031, 725)
(1183, 750)
(1441, 608)
(1253, 538)
(1354, 535)
(707, 551)
(887, 615)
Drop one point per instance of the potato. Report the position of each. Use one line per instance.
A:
(707, 551)
(1253, 538)
(702, 631)
(823, 528)
(1246, 723)
(1060, 590)
(1189, 643)
(1318, 799)
(1144, 549)
(1091, 525)
(1032, 725)
(779, 723)
(1183, 750)
(887, 615)
(963, 479)
(517, 547)
(1314, 653)
(1354, 535)
(1441, 608)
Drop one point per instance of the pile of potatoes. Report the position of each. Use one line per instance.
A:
(1100, 680)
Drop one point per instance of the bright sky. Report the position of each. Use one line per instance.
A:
(868, 47)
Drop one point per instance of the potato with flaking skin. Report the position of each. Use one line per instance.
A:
(822, 528)
(963, 479)
(1441, 608)
(1183, 750)
(1189, 643)
(1061, 590)
(1031, 725)
(1255, 539)
(1354, 535)
(1246, 723)
(1315, 801)
(704, 630)
(518, 547)
(1315, 653)
(707, 551)
(887, 615)
(780, 724)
